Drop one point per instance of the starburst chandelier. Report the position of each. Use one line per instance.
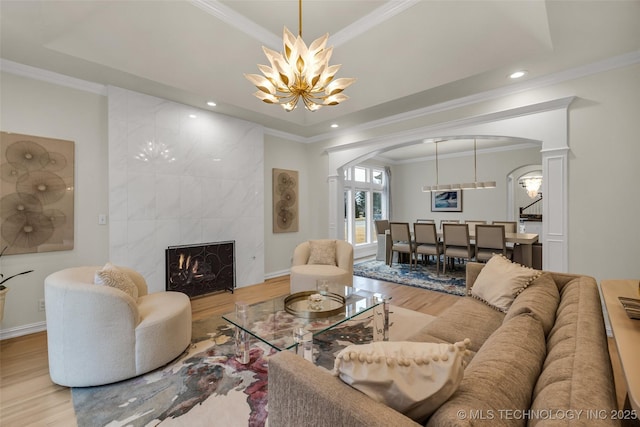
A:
(300, 72)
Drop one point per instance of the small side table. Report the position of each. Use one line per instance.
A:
(626, 333)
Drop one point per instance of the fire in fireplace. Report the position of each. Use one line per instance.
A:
(199, 270)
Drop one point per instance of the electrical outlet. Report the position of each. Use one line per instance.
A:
(41, 305)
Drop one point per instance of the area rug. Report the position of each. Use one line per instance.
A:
(424, 276)
(206, 386)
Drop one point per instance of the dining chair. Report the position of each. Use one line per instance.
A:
(490, 240)
(427, 242)
(401, 241)
(427, 221)
(472, 225)
(509, 226)
(449, 221)
(384, 246)
(456, 243)
(382, 225)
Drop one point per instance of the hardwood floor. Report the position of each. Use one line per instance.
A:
(29, 398)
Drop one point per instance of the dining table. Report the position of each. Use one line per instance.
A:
(526, 240)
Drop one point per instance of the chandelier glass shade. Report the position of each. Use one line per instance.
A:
(532, 184)
(300, 73)
(475, 185)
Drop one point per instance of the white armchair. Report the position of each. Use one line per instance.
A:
(99, 334)
(304, 273)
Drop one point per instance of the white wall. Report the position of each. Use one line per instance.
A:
(410, 203)
(37, 108)
(210, 188)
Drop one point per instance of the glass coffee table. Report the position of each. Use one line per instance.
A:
(273, 323)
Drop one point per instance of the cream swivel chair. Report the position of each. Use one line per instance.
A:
(99, 334)
(321, 260)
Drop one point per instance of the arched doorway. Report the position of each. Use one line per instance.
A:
(545, 122)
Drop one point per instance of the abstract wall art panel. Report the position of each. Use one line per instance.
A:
(285, 201)
(36, 197)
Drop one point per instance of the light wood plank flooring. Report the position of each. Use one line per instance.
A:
(29, 398)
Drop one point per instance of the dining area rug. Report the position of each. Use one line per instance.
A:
(206, 386)
(421, 276)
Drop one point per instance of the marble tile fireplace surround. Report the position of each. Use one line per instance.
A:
(180, 175)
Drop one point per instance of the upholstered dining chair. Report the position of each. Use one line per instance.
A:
(456, 243)
(509, 226)
(490, 240)
(401, 242)
(428, 221)
(472, 225)
(384, 243)
(448, 221)
(427, 242)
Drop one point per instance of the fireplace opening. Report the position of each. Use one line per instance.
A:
(201, 269)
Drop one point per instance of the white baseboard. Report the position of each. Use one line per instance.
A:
(275, 274)
(19, 331)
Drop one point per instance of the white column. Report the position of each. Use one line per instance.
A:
(555, 236)
(335, 232)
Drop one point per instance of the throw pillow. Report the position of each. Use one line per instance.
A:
(541, 297)
(110, 275)
(501, 377)
(500, 281)
(413, 378)
(322, 252)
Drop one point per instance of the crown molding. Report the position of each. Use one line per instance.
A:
(226, 14)
(419, 133)
(620, 61)
(387, 11)
(51, 77)
(239, 21)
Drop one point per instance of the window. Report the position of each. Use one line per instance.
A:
(365, 201)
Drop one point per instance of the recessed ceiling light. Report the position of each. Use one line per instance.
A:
(193, 116)
(211, 104)
(334, 125)
(518, 74)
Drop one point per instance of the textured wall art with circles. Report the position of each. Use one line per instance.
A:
(285, 201)
(36, 197)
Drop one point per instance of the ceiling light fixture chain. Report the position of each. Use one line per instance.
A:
(300, 72)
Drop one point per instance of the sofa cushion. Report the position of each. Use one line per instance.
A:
(500, 377)
(110, 275)
(413, 378)
(467, 318)
(576, 374)
(541, 297)
(500, 281)
(322, 252)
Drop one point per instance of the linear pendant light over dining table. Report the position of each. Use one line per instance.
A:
(300, 73)
(475, 185)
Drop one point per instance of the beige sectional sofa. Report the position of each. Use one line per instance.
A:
(519, 373)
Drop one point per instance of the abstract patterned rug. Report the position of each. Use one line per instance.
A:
(424, 277)
(206, 386)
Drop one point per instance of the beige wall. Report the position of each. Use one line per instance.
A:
(604, 200)
(603, 173)
(43, 109)
(283, 154)
(410, 203)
